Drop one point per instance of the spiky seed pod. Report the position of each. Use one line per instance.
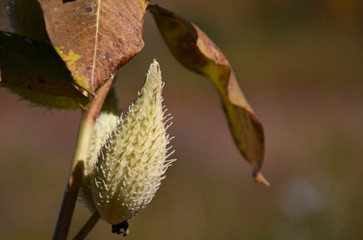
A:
(105, 123)
(133, 160)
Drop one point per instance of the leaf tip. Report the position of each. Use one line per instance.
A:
(259, 178)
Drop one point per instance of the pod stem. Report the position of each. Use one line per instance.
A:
(80, 155)
(82, 234)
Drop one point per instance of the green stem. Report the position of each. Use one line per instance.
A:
(82, 234)
(88, 120)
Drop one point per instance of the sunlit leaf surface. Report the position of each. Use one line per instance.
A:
(95, 37)
(197, 52)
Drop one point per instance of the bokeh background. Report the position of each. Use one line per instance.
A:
(300, 64)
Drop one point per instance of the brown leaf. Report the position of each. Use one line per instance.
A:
(33, 70)
(95, 37)
(196, 51)
(23, 17)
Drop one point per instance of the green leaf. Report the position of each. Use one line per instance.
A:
(33, 70)
(197, 52)
(23, 17)
(95, 37)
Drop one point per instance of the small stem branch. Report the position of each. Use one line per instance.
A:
(82, 234)
(88, 120)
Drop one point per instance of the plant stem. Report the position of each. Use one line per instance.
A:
(82, 234)
(88, 120)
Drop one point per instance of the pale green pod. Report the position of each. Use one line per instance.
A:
(105, 124)
(133, 161)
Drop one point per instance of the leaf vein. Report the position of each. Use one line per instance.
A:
(96, 42)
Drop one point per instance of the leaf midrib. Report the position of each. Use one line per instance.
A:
(96, 43)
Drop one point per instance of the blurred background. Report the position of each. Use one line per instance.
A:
(300, 64)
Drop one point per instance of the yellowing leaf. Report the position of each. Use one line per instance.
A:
(197, 52)
(105, 34)
(34, 71)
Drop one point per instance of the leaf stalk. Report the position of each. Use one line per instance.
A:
(86, 229)
(88, 120)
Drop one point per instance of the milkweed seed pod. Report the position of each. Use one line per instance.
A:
(105, 123)
(133, 161)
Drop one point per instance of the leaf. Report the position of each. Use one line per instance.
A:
(95, 37)
(23, 17)
(197, 52)
(35, 71)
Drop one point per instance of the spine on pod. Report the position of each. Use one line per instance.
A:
(133, 160)
(105, 123)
